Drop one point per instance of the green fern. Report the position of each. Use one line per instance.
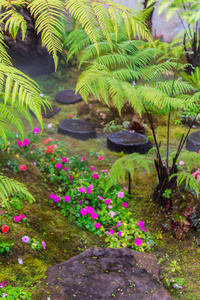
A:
(9, 186)
(188, 180)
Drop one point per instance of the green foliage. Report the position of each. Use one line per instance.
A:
(16, 293)
(5, 246)
(189, 181)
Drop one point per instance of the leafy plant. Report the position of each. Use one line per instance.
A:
(15, 293)
(5, 246)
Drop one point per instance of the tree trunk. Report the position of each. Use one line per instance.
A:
(148, 20)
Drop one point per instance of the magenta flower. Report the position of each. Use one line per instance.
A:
(19, 143)
(111, 231)
(118, 224)
(94, 216)
(97, 225)
(70, 177)
(3, 283)
(64, 159)
(141, 224)
(22, 216)
(17, 218)
(56, 199)
(107, 201)
(80, 202)
(181, 163)
(25, 239)
(26, 142)
(101, 198)
(43, 245)
(119, 233)
(138, 242)
(51, 195)
(92, 168)
(67, 198)
(58, 166)
(83, 211)
(81, 189)
(66, 168)
(36, 130)
(89, 190)
(144, 229)
(83, 159)
(120, 195)
(90, 210)
(95, 176)
(124, 204)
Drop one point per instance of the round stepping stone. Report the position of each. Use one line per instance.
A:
(77, 129)
(68, 97)
(50, 112)
(193, 141)
(128, 142)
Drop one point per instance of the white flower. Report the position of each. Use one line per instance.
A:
(112, 213)
(41, 95)
(20, 261)
(49, 125)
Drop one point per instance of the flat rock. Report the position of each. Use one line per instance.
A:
(193, 141)
(49, 113)
(106, 273)
(68, 97)
(77, 129)
(128, 142)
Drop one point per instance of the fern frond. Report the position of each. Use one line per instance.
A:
(179, 87)
(48, 15)
(191, 159)
(9, 186)
(188, 179)
(4, 57)
(4, 131)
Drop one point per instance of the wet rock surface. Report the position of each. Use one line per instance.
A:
(49, 113)
(193, 141)
(68, 97)
(77, 129)
(128, 142)
(104, 273)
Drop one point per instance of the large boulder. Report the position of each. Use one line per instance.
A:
(104, 273)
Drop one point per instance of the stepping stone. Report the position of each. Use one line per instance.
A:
(105, 273)
(128, 142)
(50, 112)
(68, 97)
(77, 129)
(193, 141)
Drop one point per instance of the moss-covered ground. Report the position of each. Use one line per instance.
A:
(64, 239)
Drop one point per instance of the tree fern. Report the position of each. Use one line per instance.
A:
(189, 181)
(9, 186)
(48, 15)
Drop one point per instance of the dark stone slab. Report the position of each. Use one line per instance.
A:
(193, 141)
(128, 142)
(68, 97)
(50, 112)
(77, 129)
(106, 273)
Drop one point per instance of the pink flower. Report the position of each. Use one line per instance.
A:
(22, 167)
(79, 202)
(83, 211)
(107, 201)
(67, 198)
(94, 216)
(141, 224)
(120, 195)
(104, 171)
(118, 224)
(181, 163)
(93, 168)
(144, 229)
(81, 189)
(58, 166)
(56, 199)
(124, 204)
(101, 158)
(51, 195)
(97, 225)
(66, 168)
(36, 130)
(43, 245)
(119, 233)
(138, 242)
(124, 188)
(64, 159)
(25, 239)
(3, 283)
(17, 218)
(70, 177)
(111, 231)
(110, 206)
(83, 159)
(90, 210)
(26, 142)
(89, 190)
(20, 143)
(22, 216)
(112, 213)
(101, 198)
(95, 176)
